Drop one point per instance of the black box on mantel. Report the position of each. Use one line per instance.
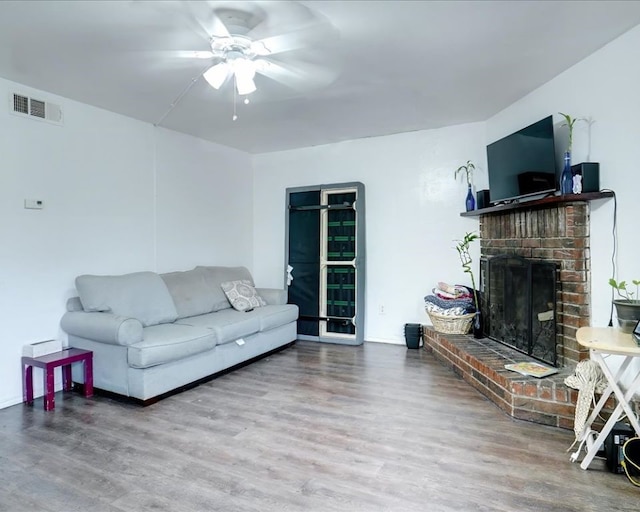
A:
(483, 199)
(590, 172)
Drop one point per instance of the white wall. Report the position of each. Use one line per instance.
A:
(204, 202)
(97, 177)
(413, 207)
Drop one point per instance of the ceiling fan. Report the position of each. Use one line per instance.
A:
(259, 38)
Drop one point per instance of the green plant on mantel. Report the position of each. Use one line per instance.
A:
(467, 169)
(569, 122)
(465, 258)
(624, 292)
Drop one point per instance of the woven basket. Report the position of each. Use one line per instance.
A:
(449, 324)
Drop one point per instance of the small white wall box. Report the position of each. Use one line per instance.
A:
(42, 348)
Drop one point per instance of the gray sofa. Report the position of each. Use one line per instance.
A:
(155, 333)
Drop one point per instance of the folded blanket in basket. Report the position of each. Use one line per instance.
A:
(447, 291)
(457, 311)
(466, 303)
(447, 296)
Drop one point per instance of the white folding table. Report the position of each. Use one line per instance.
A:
(601, 342)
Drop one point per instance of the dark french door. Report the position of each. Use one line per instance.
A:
(325, 255)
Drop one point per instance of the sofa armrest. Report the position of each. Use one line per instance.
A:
(103, 327)
(74, 304)
(273, 296)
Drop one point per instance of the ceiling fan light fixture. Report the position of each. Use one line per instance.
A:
(244, 71)
(245, 85)
(216, 75)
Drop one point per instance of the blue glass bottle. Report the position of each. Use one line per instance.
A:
(470, 201)
(566, 178)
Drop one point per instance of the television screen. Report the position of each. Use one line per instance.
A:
(523, 163)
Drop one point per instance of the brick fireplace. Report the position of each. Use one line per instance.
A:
(553, 230)
(557, 234)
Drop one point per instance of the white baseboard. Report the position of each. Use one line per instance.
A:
(10, 402)
(381, 340)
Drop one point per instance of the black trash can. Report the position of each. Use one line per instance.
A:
(413, 335)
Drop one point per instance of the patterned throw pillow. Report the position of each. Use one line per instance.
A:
(242, 295)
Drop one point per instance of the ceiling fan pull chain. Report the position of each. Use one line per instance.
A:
(235, 97)
(175, 102)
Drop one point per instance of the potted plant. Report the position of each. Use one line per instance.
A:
(569, 122)
(467, 170)
(627, 307)
(465, 258)
(566, 178)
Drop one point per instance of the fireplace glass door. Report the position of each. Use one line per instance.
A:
(519, 304)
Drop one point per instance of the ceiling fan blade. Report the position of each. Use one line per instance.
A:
(306, 33)
(197, 54)
(216, 26)
(296, 74)
(296, 40)
(178, 54)
(172, 58)
(164, 60)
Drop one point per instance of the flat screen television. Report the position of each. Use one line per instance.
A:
(523, 164)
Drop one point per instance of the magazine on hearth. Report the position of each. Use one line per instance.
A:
(531, 369)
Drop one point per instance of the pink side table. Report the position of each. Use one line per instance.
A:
(48, 363)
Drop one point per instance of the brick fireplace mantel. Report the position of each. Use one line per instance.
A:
(539, 203)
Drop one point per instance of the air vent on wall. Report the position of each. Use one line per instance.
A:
(38, 109)
(20, 104)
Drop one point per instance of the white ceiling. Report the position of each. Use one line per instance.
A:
(388, 67)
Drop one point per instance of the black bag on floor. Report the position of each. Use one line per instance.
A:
(631, 459)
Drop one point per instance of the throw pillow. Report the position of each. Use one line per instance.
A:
(242, 295)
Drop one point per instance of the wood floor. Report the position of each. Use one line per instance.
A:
(313, 428)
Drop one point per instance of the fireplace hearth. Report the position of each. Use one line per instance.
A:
(519, 304)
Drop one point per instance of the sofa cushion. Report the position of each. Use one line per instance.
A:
(215, 276)
(141, 295)
(273, 296)
(74, 304)
(190, 292)
(169, 342)
(242, 295)
(228, 324)
(274, 316)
